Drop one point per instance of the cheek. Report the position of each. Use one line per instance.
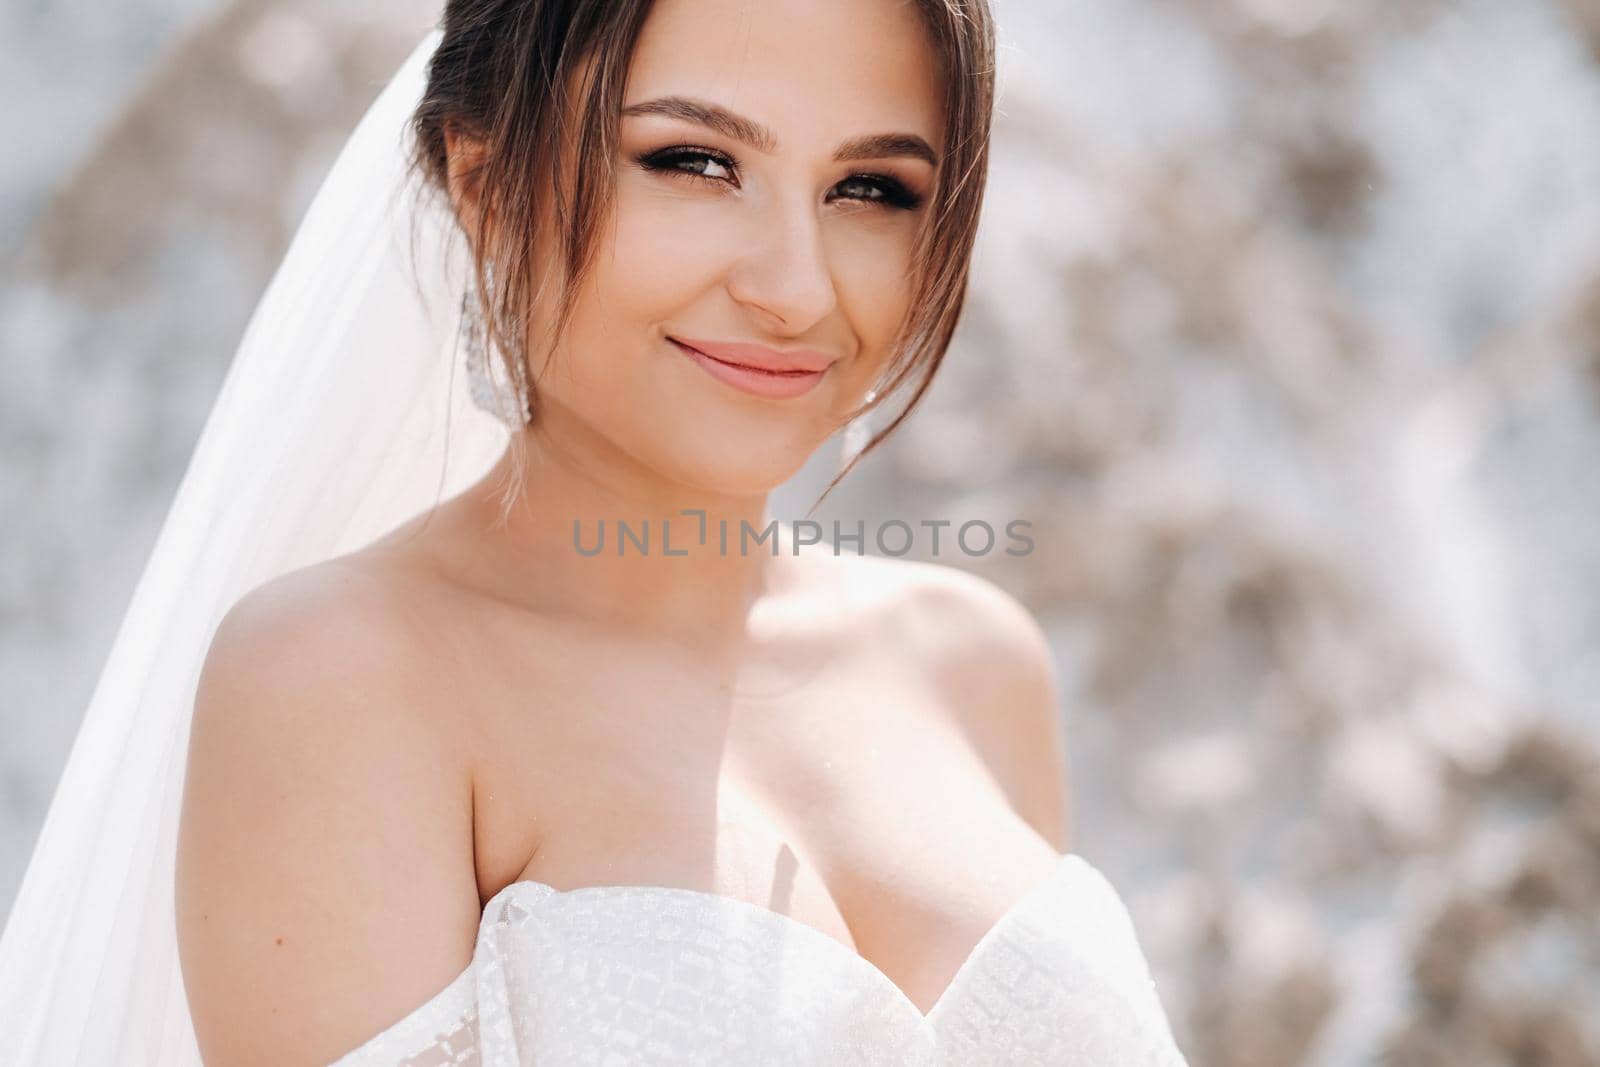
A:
(871, 263)
(662, 250)
(642, 278)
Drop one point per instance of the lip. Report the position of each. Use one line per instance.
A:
(760, 357)
(746, 367)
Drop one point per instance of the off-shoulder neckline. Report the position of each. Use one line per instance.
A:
(1064, 862)
(456, 997)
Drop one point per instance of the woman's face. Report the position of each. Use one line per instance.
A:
(800, 242)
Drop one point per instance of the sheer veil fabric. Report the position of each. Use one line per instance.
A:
(343, 414)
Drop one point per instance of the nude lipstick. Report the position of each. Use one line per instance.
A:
(756, 369)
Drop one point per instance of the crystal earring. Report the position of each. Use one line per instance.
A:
(488, 394)
(856, 435)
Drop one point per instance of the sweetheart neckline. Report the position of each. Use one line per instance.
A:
(1064, 862)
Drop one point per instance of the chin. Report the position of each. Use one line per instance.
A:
(731, 465)
(733, 475)
(726, 447)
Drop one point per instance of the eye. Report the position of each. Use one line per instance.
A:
(691, 162)
(880, 189)
(704, 164)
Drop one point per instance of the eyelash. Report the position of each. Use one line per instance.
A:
(895, 195)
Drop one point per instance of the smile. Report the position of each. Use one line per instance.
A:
(773, 384)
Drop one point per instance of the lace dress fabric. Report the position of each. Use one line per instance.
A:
(617, 976)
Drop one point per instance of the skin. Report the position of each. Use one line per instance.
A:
(871, 747)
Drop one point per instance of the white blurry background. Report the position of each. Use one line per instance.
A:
(1285, 333)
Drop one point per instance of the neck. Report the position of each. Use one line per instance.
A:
(593, 535)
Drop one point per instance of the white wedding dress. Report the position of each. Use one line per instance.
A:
(619, 976)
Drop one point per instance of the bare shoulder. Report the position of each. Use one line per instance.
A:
(346, 633)
(324, 812)
(993, 666)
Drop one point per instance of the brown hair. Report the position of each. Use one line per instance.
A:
(501, 74)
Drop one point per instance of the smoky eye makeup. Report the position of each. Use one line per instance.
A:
(701, 164)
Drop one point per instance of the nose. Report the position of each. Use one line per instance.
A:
(786, 277)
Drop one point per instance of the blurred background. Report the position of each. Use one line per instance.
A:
(1285, 334)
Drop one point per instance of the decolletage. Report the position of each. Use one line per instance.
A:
(657, 975)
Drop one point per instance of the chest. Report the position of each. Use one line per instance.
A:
(845, 798)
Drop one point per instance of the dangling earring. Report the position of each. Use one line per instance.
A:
(856, 435)
(487, 394)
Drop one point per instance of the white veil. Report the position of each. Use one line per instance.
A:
(343, 414)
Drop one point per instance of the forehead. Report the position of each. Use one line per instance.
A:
(815, 71)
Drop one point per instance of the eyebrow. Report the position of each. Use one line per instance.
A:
(752, 133)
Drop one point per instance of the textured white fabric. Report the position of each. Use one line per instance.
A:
(656, 976)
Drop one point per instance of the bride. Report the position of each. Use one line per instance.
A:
(390, 765)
